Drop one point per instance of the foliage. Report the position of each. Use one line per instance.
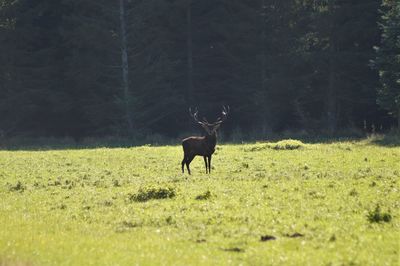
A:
(17, 187)
(289, 144)
(280, 65)
(376, 216)
(72, 212)
(205, 196)
(388, 59)
(146, 194)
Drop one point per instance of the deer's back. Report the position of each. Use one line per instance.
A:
(192, 142)
(197, 146)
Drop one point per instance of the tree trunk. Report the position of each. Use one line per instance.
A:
(263, 43)
(125, 65)
(331, 100)
(265, 119)
(190, 87)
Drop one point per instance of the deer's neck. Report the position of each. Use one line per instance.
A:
(211, 140)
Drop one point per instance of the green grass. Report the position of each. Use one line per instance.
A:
(263, 204)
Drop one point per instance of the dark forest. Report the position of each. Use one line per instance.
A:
(85, 68)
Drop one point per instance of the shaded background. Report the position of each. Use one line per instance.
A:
(294, 65)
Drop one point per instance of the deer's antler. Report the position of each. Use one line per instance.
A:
(194, 115)
(224, 115)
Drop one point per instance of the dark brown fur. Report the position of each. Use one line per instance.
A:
(202, 146)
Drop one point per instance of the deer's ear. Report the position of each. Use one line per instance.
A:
(216, 127)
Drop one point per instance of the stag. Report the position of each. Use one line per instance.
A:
(205, 145)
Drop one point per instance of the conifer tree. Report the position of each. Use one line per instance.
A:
(388, 59)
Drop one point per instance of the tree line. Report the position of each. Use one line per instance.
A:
(95, 68)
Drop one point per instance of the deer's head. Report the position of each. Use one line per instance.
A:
(210, 128)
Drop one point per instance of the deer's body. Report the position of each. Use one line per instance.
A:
(202, 146)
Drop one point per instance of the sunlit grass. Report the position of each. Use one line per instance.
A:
(133, 206)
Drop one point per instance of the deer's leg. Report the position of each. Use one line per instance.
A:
(183, 164)
(189, 159)
(209, 164)
(205, 162)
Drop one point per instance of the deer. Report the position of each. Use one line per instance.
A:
(205, 145)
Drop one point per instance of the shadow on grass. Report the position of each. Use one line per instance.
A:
(47, 144)
(389, 140)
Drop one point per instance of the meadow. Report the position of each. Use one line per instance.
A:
(286, 203)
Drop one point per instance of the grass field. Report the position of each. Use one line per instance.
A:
(263, 204)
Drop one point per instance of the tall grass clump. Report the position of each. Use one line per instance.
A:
(377, 216)
(205, 196)
(146, 194)
(288, 144)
